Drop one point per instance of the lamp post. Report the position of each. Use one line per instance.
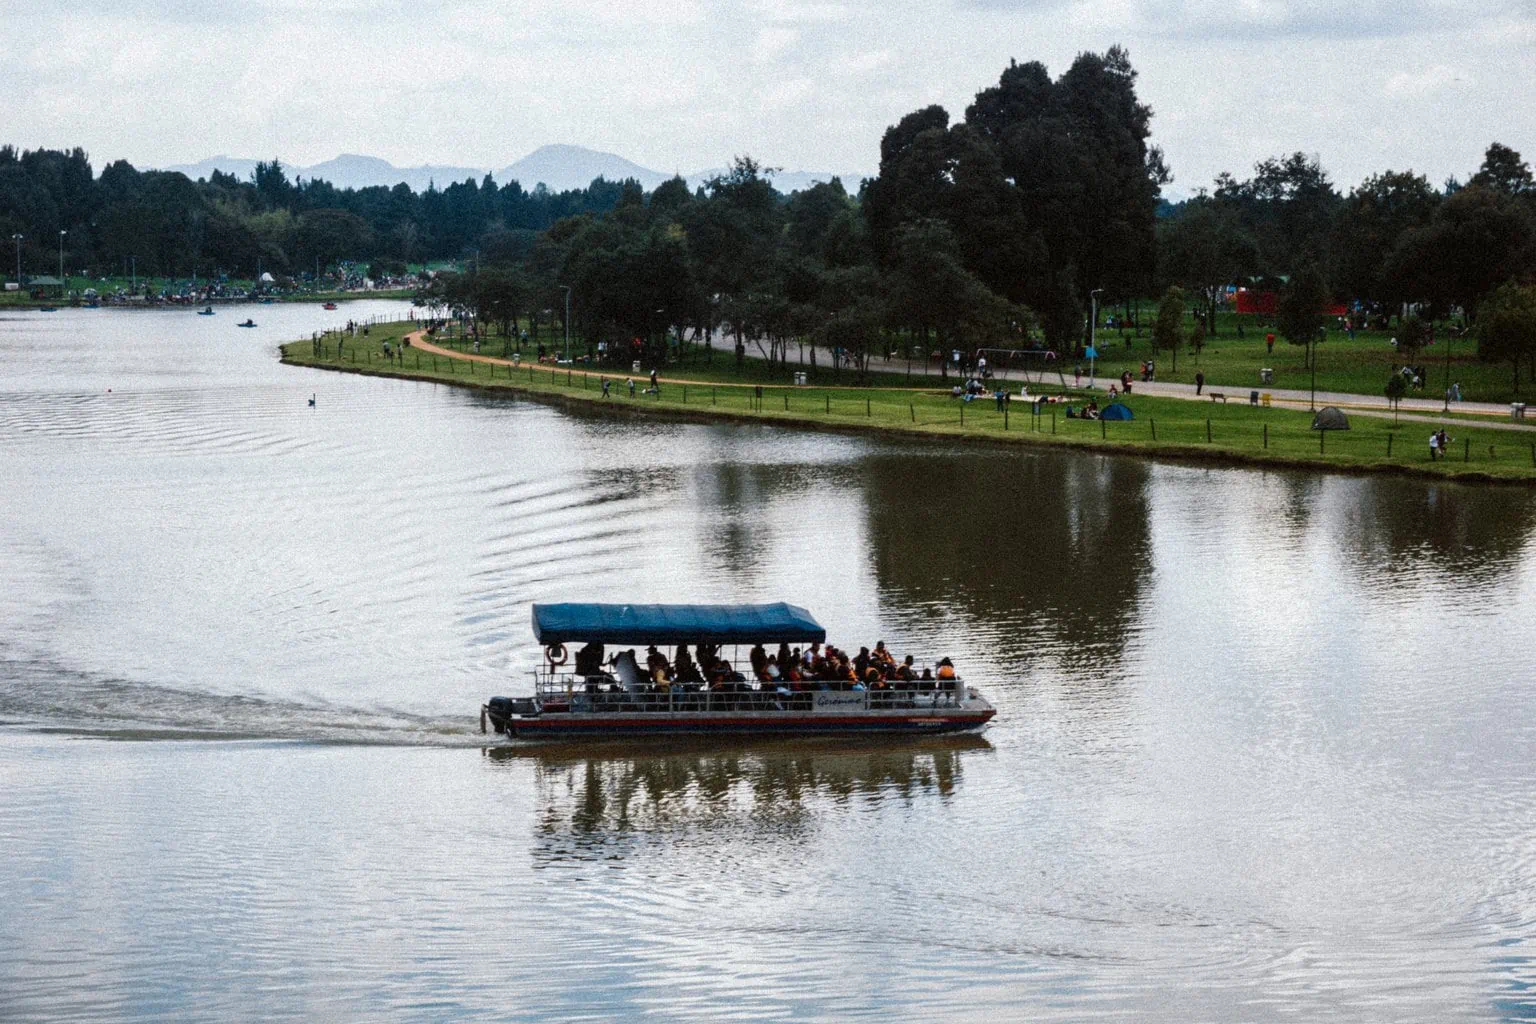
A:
(567, 289)
(62, 233)
(1093, 332)
(17, 239)
(133, 273)
(1447, 363)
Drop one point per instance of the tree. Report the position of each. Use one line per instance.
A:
(1205, 247)
(1412, 337)
(1504, 171)
(1507, 326)
(1476, 239)
(1369, 224)
(1169, 329)
(1299, 315)
(1395, 389)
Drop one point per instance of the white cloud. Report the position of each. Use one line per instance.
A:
(1426, 82)
(771, 43)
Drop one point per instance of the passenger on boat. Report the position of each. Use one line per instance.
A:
(589, 660)
(861, 663)
(906, 673)
(686, 671)
(759, 659)
(946, 674)
(785, 657)
(655, 661)
(926, 682)
(627, 669)
(881, 656)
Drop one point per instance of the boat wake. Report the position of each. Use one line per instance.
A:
(37, 695)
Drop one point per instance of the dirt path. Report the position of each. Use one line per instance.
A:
(1413, 410)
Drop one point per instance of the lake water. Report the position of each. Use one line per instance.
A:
(1264, 748)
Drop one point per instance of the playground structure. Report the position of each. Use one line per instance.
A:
(1031, 364)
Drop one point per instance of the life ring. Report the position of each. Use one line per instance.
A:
(557, 654)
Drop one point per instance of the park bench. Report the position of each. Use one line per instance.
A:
(1218, 396)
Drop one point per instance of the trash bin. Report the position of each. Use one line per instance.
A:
(800, 378)
(1266, 376)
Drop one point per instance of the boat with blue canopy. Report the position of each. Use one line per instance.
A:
(685, 683)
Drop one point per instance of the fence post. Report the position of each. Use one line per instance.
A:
(1533, 456)
(1207, 430)
(1266, 436)
(962, 412)
(912, 412)
(866, 408)
(1103, 430)
(1053, 421)
(828, 399)
(711, 396)
(786, 401)
(1005, 415)
(1322, 441)
(1389, 446)
(1153, 424)
(1466, 453)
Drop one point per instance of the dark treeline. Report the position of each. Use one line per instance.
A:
(997, 230)
(171, 226)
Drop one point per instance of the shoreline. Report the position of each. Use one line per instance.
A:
(1168, 451)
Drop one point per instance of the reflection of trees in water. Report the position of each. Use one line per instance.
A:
(1445, 534)
(1037, 549)
(593, 807)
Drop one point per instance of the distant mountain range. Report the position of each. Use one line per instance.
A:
(558, 167)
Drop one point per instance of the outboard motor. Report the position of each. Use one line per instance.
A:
(499, 709)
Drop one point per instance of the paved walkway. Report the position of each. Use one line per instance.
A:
(1412, 410)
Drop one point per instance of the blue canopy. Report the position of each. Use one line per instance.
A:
(667, 624)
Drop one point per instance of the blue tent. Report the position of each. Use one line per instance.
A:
(1116, 411)
(666, 624)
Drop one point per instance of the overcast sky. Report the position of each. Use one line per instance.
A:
(685, 84)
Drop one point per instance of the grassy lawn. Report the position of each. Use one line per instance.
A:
(1360, 366)
(1167, 426)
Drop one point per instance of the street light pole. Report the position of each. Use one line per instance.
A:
(1093, 332)
(17, 239)
(1447, 363)
(567, 289)
(61, 261)
(133, 265)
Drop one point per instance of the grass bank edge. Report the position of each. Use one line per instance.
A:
(547, 386)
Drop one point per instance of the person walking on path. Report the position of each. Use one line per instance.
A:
(1199, 381)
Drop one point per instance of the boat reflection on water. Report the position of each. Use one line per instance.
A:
(597, 800)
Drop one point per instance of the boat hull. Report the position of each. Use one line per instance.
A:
(765, 723)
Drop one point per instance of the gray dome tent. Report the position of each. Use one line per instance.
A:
(1330, 417)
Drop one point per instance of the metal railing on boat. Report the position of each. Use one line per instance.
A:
(577, 695)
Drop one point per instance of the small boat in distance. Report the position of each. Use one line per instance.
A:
(48, 309)
(248, 323)
(329, 305)
(680, 695)
(207, 311)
